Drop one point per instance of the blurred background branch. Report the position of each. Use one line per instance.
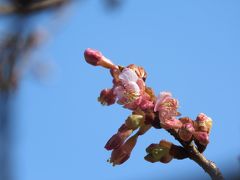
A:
(18, 42)
(31, 6)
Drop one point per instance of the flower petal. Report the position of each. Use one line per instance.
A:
(128, 75)
(161, 97)
(132, 87)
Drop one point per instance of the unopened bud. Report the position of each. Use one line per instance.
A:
(166, 159)
(122, 154)
(178, 152)
(144, 128)
(159, 152)
(204, 123)
(172, 123)
(165, 144)
(107, 97)
(114, 142)
(186, 131)
(118, 139)
(201, 137)
(96, 58)
(133, 122)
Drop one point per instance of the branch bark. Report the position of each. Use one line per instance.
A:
(193, 153)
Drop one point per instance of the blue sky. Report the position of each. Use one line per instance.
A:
(190, 48)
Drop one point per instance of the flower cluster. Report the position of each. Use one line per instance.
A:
(129, 90)
(167, 108)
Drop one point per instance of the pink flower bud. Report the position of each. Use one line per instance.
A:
(114, 142)
(201, 137)
(186, 132)
(146, 102)
(172, 123)
(107, 97)
(122, 154)
(96, 58)
(204, 123)
(118, 139)
(186, 120)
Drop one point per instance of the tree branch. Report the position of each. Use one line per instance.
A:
(33, 7)
(207, 165)
(193, 153)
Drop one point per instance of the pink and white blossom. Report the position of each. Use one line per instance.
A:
(167, 106)
(130, 91)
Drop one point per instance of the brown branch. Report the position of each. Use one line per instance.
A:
(193, 153)
(209, 166)
(33, 7)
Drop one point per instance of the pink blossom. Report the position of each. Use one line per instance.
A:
(141, 73)
(166, 106)
(160, 100)
(130, 91)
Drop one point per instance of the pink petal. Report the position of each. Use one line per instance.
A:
(132, 87)
(128, 75)
(161, 97)
(171, 123)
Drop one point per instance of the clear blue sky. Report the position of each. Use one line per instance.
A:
(191, 48)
